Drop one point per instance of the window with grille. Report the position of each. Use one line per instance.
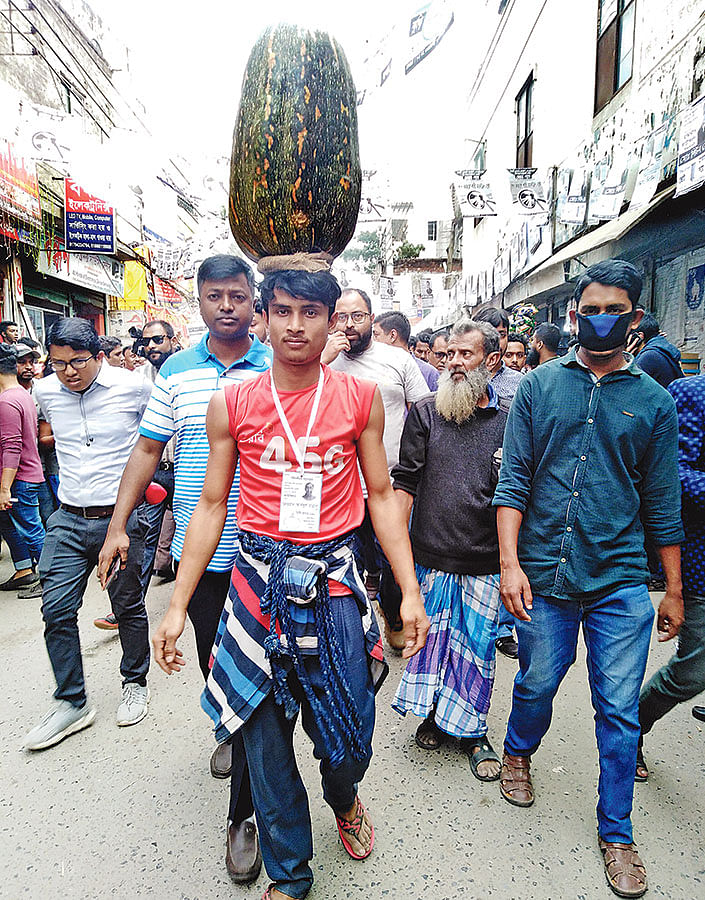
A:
(433, 231)
(525, 128)
(615, 48)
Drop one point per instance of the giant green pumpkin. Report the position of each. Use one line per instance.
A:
(295, 176)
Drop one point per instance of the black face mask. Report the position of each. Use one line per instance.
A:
(603, 332)
(532, 358)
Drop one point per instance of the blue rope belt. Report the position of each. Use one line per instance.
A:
(338, 720)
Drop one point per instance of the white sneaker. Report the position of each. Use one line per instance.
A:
(62, 720)
(135, 700)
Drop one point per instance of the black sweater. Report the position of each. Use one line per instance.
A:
(452, 471)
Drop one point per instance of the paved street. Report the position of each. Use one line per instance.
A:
(133, 812)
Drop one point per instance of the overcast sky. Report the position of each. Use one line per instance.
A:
(188, 68)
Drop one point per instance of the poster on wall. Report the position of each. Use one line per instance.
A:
(427, 28)
(386, 292)
(575, 207)
(694, 287)
(528, 198)
(607, 201)
(650, 168)
(475, 195)
(691, 148)
(19, 188)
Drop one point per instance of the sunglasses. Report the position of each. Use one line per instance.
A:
(157, 339)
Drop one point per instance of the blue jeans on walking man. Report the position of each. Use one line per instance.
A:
(617, 634)
(21, 527)
(70, 555)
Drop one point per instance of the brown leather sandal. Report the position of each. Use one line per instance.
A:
(515, 780)
(626, 873)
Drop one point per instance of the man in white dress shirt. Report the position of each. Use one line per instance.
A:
(94, 411)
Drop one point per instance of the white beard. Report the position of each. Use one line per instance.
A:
(456, 401)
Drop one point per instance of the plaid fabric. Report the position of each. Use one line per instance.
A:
(455, 670)
(241, 675)
(301, 578)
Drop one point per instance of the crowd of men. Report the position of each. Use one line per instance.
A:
(492, 488)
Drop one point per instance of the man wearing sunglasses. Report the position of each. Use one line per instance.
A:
(158, 342)
(94, 411)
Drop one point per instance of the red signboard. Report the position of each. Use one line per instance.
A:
(19, 189)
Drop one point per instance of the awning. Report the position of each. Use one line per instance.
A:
(605, 234)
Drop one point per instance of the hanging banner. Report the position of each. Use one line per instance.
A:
(89, 270)
(475, 195)
(607, 201)
(691, 148)
(575, 206)
(386, 292)
(427, 28)
(88, 220)
(650, 168)
(528, 198)
(19, 189)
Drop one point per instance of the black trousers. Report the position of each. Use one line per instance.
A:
(204, 610)
(370, 557)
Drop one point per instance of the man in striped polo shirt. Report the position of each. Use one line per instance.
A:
(228, 354)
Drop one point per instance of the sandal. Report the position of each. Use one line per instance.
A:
(641, 764)
(267, 895)
(515, 780)
(428, 735)
(626, 873)
(347, 829)
(480, 750)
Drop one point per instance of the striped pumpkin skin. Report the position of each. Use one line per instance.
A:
(295, 177)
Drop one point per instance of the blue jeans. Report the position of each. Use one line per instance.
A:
(151, 516)
(279, 796)
(22, 526)
(505, 623)
(48, 501)
(70, 554)
(617, 633)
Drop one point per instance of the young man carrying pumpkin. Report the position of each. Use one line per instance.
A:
(297, 631)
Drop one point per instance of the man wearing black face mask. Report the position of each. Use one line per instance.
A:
(590, 453)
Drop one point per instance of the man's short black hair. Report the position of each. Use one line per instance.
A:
(396, 320)
(7, 323)
(613, 273)
(550, 335)
(168, 328)
(441, 333)
(648, 326)
(222, 267)
(363, 294)
(411, 343)
(8, 360)
(109, 343)
(425, 337)
(319, 286)
(515, 338)
(79, 334)
(259, 307)
(498, 318)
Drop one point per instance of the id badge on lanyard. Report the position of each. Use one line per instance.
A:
(301, 490)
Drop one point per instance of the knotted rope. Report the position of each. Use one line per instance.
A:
(300, 262)
(338, 721)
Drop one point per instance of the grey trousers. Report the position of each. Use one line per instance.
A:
(683, 676)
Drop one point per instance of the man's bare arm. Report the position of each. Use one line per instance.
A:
(670, 611)
(139, 471)
(202, 535)
(514, 587)
(391, 528)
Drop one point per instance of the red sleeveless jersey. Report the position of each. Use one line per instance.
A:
(265, 453)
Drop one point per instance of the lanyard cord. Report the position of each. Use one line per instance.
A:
(300, 456)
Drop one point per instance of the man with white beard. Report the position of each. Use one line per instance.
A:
(448, 469)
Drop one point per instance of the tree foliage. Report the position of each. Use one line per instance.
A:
(409, 251)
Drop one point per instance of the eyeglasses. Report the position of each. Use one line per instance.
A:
(155, 339)
(77, 363)
(440, 356)
(357, 317)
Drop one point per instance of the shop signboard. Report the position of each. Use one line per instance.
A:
(19, 188)
(88, 270)
(89, 221)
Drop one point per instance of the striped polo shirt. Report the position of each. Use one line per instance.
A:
(178, 405)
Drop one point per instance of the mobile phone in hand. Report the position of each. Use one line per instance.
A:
(113, 569)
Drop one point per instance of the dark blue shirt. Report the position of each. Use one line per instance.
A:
(689, 394)
(587, 461)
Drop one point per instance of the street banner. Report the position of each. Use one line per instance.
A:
(19, 188)
(386, 292)
(89, 270)
(427, 28)
(691, 148)
(528, 198)
(650, 168)
(89, 221)
(575, 206)
(475, 195)
(607, 198)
